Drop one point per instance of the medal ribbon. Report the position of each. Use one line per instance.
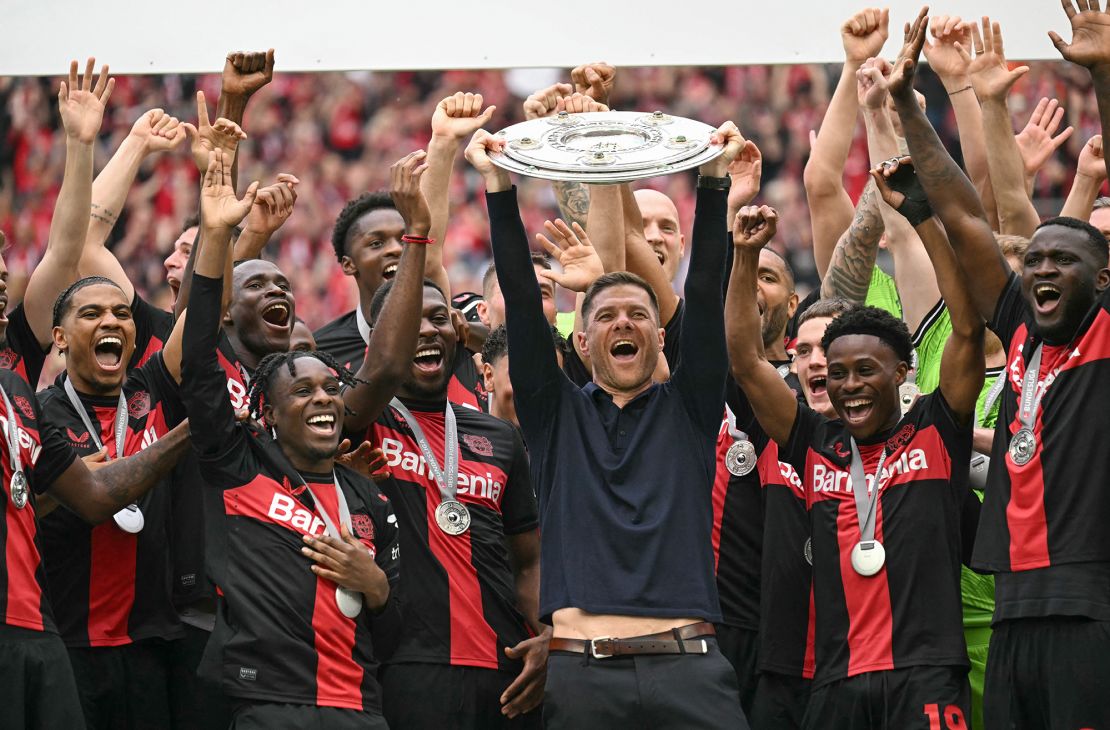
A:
(11, 435)
(121, 420)
(344, 511)
(447, 479)
(1030, 399)
(865, 503)
(993, 394)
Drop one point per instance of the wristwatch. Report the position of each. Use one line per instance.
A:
(714, 183)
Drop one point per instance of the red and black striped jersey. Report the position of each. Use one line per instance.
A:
(110, 587)
(341, 339)
(907, 614)
(1043, 524)
(459, 590)
(737, 538)
(279, 636)
(152, 328)
(44, 455)
(22, 353)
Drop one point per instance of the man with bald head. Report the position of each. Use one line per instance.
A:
(662, 229)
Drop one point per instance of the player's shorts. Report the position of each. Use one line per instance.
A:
(37, 690)
(915, 697)
(1048, 673)
(276, 716)
(417, 696)
(780, 701)
(124, 686)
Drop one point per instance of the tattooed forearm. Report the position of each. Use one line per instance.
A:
(574, 201)
(853, 260)
(102, 214)
(124, 480)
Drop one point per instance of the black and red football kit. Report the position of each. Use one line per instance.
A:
(22, 354)
(1042, 530)
(152, 329)
(111, 587)
(279, 636)
(342, 339)
(908, 614)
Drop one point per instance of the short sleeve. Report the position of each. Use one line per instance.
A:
(1010, 312)
(56, 454)
(519, 512)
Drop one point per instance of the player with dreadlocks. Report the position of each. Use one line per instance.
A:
(290, 533)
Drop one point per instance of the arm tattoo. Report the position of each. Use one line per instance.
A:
(574, 201)
(853, 260)
(103, 215)
(125, 480)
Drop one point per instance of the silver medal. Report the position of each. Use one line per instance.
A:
(907, 395)
(868, 557)
(1022, 447)
(807, 550)
(130, 519)
(18, 489)
(453, 517)
(740, 459)
(349, 602)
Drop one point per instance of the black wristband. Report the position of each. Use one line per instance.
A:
(915, 208)
(714, 183)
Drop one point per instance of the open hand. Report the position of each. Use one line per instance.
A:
(943, 56)
(158, 131)
(990, 76)
(900, 80)
(1090, 34)
(246, 72)
(347, 562)
(571, 247)
(82, 103)
(526, 692)
(273, 205)
(595, 80)
(367, 460)
(460, 115)
(1038, 140)
(219, 208)
(224, 135)
(864, 34)
(754, 227)
(404, 189)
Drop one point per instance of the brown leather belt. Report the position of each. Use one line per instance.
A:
(681, 640)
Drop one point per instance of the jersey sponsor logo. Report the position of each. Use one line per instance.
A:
(284, 508)
(480, 445)
(831, 479)
(486, 487)
(138, 405)
(26, 441)
(790, 476)
(363, 527)
(8, 358)
(75, 439)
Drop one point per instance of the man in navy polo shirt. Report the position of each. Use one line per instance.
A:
(623, 469)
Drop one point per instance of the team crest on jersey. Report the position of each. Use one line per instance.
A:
(363, 527)
(901, 438)
(24, 406)
(7, 358)
(480, 445)
(75, 439)
(138, 405)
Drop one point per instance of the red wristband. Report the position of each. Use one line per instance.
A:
(417, 239)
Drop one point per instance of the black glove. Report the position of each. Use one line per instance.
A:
(915, 208)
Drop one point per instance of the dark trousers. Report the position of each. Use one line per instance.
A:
(274, 716)
(929, 698)
(1048, 673)
(741, 648)
(440, 696)
(679, 691)
(37, 691)
(196, 702)
(780, 702)
(124, 686)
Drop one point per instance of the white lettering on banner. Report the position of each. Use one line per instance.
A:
(485, 487)
(238, 394)
(26, 442)
(831, 479)
(284, 509)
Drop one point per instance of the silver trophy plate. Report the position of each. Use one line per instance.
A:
(605, 147)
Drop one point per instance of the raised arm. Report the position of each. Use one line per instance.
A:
(573, 198)
(849, 274)
(153, 133)
(456, 118)
(992, 80)
(830, 208)
(272, 207)
(396, 330)
(1038, 139)
(771, 399)
(640, 257)
(1090, 174)
(961, 370)
(1089, 47)
(950, 193)
(951, 67)
(244, 74)
(81, 103)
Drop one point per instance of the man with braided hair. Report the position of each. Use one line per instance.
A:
(304, 550)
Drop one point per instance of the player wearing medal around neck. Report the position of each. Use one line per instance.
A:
(472, 651)
(304, 551)
(631, 603)
(110, 582)
(1042, 531)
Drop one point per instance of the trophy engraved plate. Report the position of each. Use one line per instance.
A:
(605, 147)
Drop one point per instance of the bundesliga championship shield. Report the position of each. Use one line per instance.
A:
(605, 147)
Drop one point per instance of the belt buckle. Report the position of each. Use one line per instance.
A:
(593, 647)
